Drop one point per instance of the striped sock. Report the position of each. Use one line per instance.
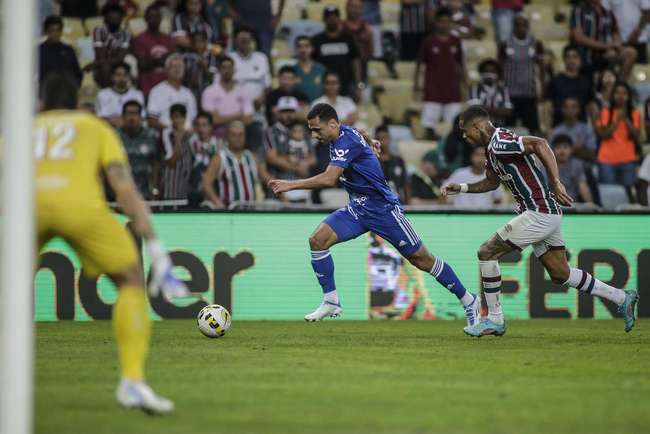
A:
(323, 265)
(445, 276)
(585, 282)
(491, 281)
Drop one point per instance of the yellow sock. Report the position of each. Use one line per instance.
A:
(132, 329)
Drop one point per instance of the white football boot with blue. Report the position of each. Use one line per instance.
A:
(326, 309)
(138, 395)
(486, 327)
(627, 309)
(473, 311)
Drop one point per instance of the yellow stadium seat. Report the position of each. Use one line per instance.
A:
(641, 73)
(377, 72)
(412, 151)
(136, 26)
(73, 28)
(94, 22)
(396, 98)
(405, 70)
(479, 50)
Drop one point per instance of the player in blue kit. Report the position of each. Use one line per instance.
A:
(373, 207)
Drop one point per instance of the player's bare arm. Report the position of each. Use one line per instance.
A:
(489, 183)
(323, 180)
(540, 147)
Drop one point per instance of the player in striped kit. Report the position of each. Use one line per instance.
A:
(511, 160)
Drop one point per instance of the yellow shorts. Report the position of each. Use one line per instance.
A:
(104, 246)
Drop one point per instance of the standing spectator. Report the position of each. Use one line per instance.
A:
(233, 174)
(595, 31)
(569, 84)
(151, 48)
(414, 18)
(619, 128)
(582, 136)
(204, 146)
(111, 43)
(200, 64)
(170, 92)
(310, 74)
(491, 93)
(442, 55)
(503, 14)
(470, 174)
(361, 33)
(258, 15)
(456, 150)
(190, 18)
(393, 165)
(141, 146)
(338, 51)
(285, 161)
(425, 182)
(632, 17)
(572, 171)
(344, 106)
(219, 14)
(643, 185)
(226, 100)
(176, 156)
(287, 81)
(110, 101)
(54, 55)
(372, 16)
(521, 56)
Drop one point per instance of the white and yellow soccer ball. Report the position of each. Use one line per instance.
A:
(213, 320)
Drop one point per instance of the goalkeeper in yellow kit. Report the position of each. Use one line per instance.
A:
(72, 150)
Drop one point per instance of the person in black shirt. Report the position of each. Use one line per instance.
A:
(425, 182)
(337, 50)
(392, 165)
(54, 55)
(287, 81)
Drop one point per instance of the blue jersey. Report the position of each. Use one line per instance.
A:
(363, 177)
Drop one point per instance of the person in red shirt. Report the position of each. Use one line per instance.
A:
(442, 55)
(151, 48)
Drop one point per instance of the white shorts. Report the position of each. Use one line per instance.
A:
(433, 111)
(543, 231)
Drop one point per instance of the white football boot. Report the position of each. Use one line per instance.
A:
(473, 311)
(137, 394)
(324, 310)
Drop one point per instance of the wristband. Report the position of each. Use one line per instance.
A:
(463, 188)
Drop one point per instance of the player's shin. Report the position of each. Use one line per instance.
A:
(132, 329)
(446, 276)
(491, 281)
(585, 282)
(323, 265)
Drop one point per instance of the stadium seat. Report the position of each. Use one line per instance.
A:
(612, 196)
(389, 12)
(73, 28)
(280, 49)
(94, 22)
(479, 50)
(334, 197)
(412, 151)
(405, 70)
(136, 26)
(395, 99)
(377, 72)
(369, 117)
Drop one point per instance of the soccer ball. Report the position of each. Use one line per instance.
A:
(213, 320)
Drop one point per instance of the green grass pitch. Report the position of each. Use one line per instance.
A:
(543, 376)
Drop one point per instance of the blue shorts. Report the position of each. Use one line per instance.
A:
(390, 224)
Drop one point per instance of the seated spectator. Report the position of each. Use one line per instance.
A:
(170, 92)
(221, 184)
(503, 14)
(521, 56)
(226, 100)
(345, 107)
(257, 15)
(361, 33)
(582, 135)
(151, 49)
(111, 44)
(204, 146)
(393, 166)
(643, 185)
(309, 73)
(54, 55)
(414, 20)
(287, 81)
(425, 182)
(491, 93)
(632, 19)
(442, 55)
(176, 156)
(141, 146)
(110, 101)
(289, 156)
(572, 171)
(190, 18)
(470, 174)
(569, 84)
(338, 51)
(619, 129)
(200, 64)
(601, 45)
(606, 80)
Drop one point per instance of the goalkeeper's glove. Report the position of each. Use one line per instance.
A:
(162, 277)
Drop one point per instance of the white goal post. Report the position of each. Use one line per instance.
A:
(18, 19)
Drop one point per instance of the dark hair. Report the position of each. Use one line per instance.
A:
(600, 84)
(382, 129)
(570, 47)
(52, 20)
(630, 101)
(200, 33)
(241, 29)
(302, 38)
(181, 8)
(330, 72)
(324, 112)
(489, 62)
(153, 6)
(60, 91)
(225, 59)
(562, 138)
(178, 108)
(296, 123)
(443, 12)
(204, 114)
(112, 7)
(131, 103)
(474, 112)
(285, 69)
(118, 65)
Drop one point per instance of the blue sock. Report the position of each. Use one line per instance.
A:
(445, 275)
(323, 265)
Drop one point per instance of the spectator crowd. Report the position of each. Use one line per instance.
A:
(210, 96)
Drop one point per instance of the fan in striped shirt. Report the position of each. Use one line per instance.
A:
(513, 161)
